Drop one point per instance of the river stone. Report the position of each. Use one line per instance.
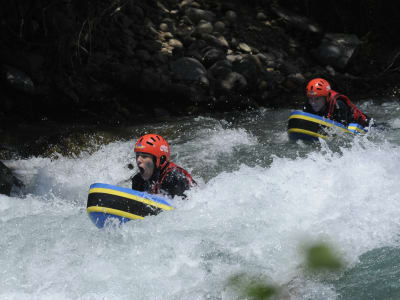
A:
(204, 27)
(214, 41)
(196, 15)
(261, 16)
(211, 56)
(7, 180)
(219, 26)
(221, 68)
(244, 47)
(188, 69)
(231, 16)
(164, 27)
(17, 79)
(233, 81)
(337, 49)
(175, 43)
(250, 67)
(297, 21)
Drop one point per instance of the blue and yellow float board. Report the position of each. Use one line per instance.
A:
(108, 201)
(306, 126)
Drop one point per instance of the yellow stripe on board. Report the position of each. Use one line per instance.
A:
(113, 211)
(312, 133)
(130, 196)
(318, 121)
(357, 129)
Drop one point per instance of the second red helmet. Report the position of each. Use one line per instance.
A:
(155, 145)
(318, 87)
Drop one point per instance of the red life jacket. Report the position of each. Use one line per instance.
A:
(358, 115)
(170, 167)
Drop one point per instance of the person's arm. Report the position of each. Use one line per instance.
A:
(138, 183)
(342, 113)
(307, 108)
(175, 184)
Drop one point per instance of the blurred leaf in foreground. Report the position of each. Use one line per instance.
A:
(321, 257)
(253, 288)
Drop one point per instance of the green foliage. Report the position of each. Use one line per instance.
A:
(253, 288)
(321, 257)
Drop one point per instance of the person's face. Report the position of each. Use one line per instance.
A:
(145, 164)
(317, 103)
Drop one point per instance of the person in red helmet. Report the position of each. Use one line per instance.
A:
(157, 174)
(324, 101)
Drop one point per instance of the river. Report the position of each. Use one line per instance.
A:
(260, 199)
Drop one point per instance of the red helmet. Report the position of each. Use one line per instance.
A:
(318, 87)
(155, 145)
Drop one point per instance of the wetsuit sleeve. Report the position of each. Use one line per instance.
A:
(307, 108)
(342, 113)
(175, 184)
(138, 183)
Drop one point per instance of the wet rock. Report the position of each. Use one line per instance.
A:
(268, 59)
(250, 67)
(220, 69)
(211, 56)
(188, 69)
(7, 180)
(189, 3)
(196, 14)
(294, 81)
(164, 27)
(297, 21)
(231, 16)
(204, 27)
(244, 47)
(337, 49)
(219, 42)
(232, 82)
(219, 26)
(175, 43)
(261, 16)
(16, 79)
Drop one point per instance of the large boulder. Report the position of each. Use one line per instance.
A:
(7, 180)
(337, 49)
(297, 21)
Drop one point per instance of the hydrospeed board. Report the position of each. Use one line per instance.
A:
(106, 201)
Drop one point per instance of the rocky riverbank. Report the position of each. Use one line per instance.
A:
(127, 61)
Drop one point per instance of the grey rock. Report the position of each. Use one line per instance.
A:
(231, 16)
(337, 49)
(219, 26)
(175, 43)
(211, 56)
(7, 180)
(196, 14)
(244, 47)
(17, 79)
(297, 21)
(188, 69)
(164, 27)
(204, 27)
(233, 81)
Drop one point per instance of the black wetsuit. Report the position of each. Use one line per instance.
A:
(172, 181)
(341, 114)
